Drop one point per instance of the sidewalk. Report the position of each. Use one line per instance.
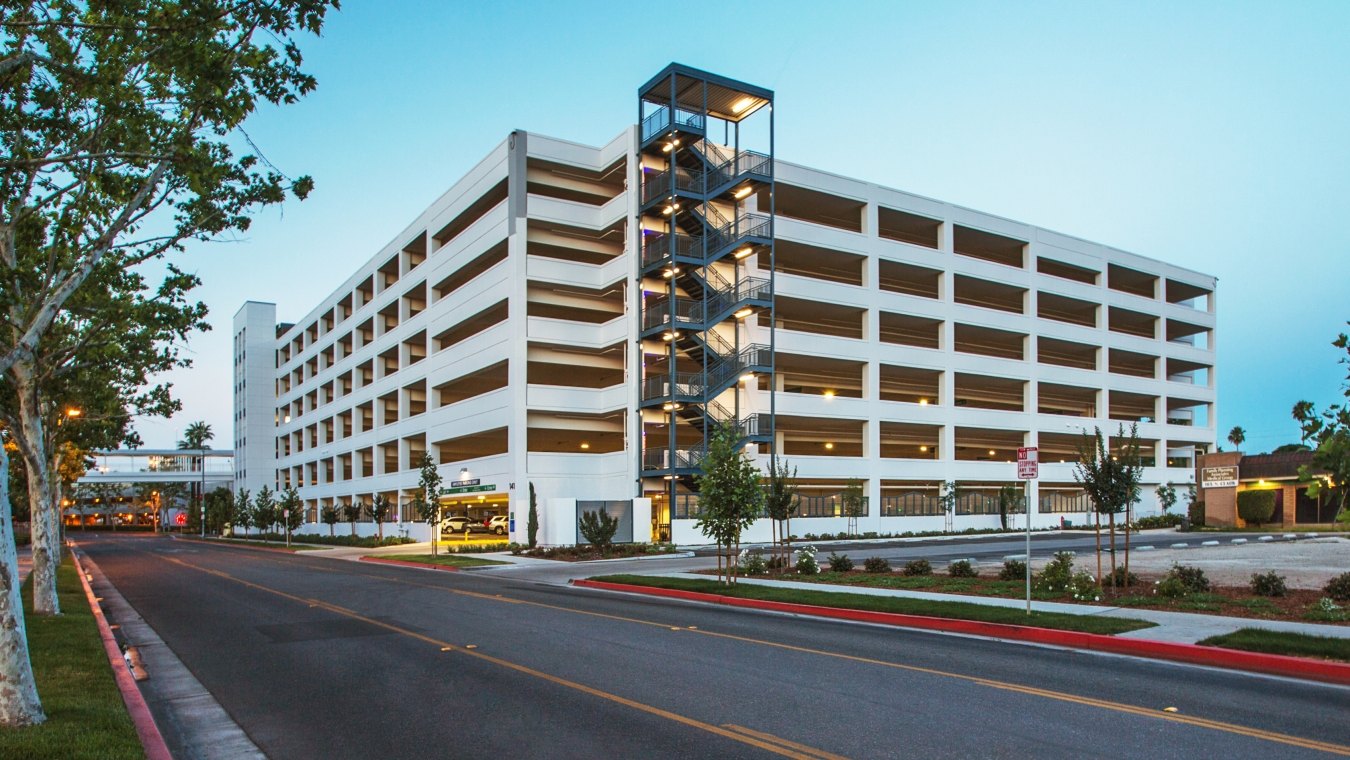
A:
(1178, 627)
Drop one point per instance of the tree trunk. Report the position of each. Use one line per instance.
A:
(45, 530)
(1099, 550)
(19, 704)
(1112, 517)
(330, 530)
(1127, 546)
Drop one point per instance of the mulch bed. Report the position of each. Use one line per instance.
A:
(1297, 605)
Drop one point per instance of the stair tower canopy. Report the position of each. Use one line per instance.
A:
(706, 222)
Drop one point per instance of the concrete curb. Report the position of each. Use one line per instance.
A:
(1229, 659)
(407, 563)
(151, 739)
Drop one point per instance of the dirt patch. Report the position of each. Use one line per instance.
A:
(1305, 564)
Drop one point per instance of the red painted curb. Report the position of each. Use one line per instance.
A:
(406, 563)
(151, 739)
(1232, 659)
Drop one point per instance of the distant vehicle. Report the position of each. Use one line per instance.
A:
(460, 524)
(499, 524)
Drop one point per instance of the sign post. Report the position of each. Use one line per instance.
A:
(1028, 468)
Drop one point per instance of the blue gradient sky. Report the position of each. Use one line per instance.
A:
(1210, 135)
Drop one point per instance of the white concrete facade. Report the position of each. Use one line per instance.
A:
(500, 332)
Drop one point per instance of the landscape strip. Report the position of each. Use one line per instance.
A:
(146, 729)
(1229, 659)
(406, 563)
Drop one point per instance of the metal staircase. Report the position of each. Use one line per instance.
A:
(705, 209)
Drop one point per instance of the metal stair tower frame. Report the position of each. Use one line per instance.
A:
(676, 109)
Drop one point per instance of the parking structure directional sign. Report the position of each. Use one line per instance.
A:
(1028, 463)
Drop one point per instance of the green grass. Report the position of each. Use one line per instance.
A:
(453, 560)
(1277, 642)
(85, 714)
(846, 600)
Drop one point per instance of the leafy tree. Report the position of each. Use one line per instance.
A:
(243, 510)
(264, 511)
(427, 502)
(351, 512)
(1328, 432)
(219, 510)
(948, 499)
(380, 508)
(532, 523)
(598, 529)
(780, 503)
(730, 496)
(1236, 436)
(1111, 482)
(1010, 500)
(289, 511)
(118, 122)
(1256, 506)
(1289, 448)
(329, 516)
(852, 500)
(1167, 496)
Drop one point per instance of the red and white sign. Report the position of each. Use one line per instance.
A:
(1028, 463)
(180, 519)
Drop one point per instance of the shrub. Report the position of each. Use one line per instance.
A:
(1120, 578)
(1338, 588)
(806, 561)
(515, 548)
(918, 567)
(1327, 610)
(962, 568)
(1268, 584)
(1167, 520)
(876, 565)
(753, 562)
(1182, 580)
(840, 563)
(1196, 513)
(598, 528)
(1057, 576)
(778, 562)
(1012, 570)
(1256, 506)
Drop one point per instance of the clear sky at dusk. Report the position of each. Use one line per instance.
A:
(1215, 136)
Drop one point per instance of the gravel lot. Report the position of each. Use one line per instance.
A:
(1307, 563)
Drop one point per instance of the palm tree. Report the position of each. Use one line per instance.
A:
(195, 437)
(1236, 436)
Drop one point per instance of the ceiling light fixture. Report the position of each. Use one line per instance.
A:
(746, 251)
(743, 313)
(744, 192)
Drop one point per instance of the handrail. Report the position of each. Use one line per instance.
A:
(686, 384)
(656, 246)
(653, 124)
(657, 310)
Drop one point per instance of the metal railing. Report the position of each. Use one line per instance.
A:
(911, 505)
(657, 246)
(1060, 502)
(827, 506)
(656, 312)
(661, 459)
(685, 385)
(659, 121)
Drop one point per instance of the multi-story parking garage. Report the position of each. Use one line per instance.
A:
(579, 318)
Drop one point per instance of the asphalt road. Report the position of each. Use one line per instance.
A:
(319, 658)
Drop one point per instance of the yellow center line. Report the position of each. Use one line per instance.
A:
(812, 751)
(776, 746)
(1120, 707)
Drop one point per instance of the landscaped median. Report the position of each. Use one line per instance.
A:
(1092, 632)
(86, 717)
(433, 561)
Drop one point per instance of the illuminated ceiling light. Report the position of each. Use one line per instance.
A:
(829, 445)
(746, 251)
(668, 147)
(828, 394)
(668, 273)
(585, 445)
(923, 402)
(744, 192)
(991, 452)
(923, 449)
(743, 313)
(287, 418)
(742, 104)
(747, 377)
